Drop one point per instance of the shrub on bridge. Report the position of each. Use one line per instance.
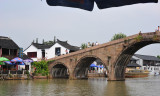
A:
(155, 37)
(139, 38)
(118, 36)
(41, 68)
(83, 46)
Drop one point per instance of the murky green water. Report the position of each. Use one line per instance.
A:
(149, 86)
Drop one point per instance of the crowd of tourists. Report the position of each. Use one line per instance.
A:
(92, 44)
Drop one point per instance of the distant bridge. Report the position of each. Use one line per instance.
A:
(114, 55)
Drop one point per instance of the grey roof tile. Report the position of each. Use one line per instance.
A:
(147, 57)
(8, 43)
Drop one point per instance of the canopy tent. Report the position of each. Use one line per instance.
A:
(93, 65)
(28, 64)
(100, 66)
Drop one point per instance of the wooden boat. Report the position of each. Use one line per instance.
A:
(136, 73)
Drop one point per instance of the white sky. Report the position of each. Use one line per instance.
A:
(25, 20)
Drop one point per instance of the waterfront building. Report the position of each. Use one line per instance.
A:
(150, 63)
(37, 51)
(8, 48)
(132, 65)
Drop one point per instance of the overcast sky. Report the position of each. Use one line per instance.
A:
(25, 20)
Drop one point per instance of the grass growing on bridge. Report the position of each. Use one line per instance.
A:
(139, 38)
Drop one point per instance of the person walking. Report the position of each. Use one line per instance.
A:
(96, 43)
(66, 51)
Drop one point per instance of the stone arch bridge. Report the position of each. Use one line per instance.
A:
(114, 55)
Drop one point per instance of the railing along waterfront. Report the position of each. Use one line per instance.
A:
(13, 71)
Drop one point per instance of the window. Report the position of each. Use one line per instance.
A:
(32, 54)
(5, 51)
(58, 51)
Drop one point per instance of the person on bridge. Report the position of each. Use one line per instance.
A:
(66, 51)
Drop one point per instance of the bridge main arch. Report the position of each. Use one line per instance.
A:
(124, 57)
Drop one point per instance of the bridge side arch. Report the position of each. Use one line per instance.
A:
(59, 70)
(82, 65)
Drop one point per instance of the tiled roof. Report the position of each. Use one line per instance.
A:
(133, 59)
(41, 46)
(133, 65)
(8, 43)
(147, 57)
(63, 43)
(68, 46)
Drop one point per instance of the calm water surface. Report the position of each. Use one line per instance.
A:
(149, 86)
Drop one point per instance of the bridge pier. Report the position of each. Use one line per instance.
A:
(113, 75)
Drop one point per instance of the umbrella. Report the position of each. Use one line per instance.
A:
(17, 59)
(8, 62)
(93, 65)
(21, 63)
(2, 59)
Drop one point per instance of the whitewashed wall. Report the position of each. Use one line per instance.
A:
(32, 49)
(39, 54)
(51, 51)
(138, 60)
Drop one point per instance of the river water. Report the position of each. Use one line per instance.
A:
(149, 86)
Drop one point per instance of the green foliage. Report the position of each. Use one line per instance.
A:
(27, 72)
(118, 36)
(49, 42)
(50, 61)
(83, 46)
(139, 38)
(158, 56)
(41, 67)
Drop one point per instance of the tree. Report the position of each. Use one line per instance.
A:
(49, 42)
(41, 68)
(158, 56)
(83, 46)
(118, 36)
